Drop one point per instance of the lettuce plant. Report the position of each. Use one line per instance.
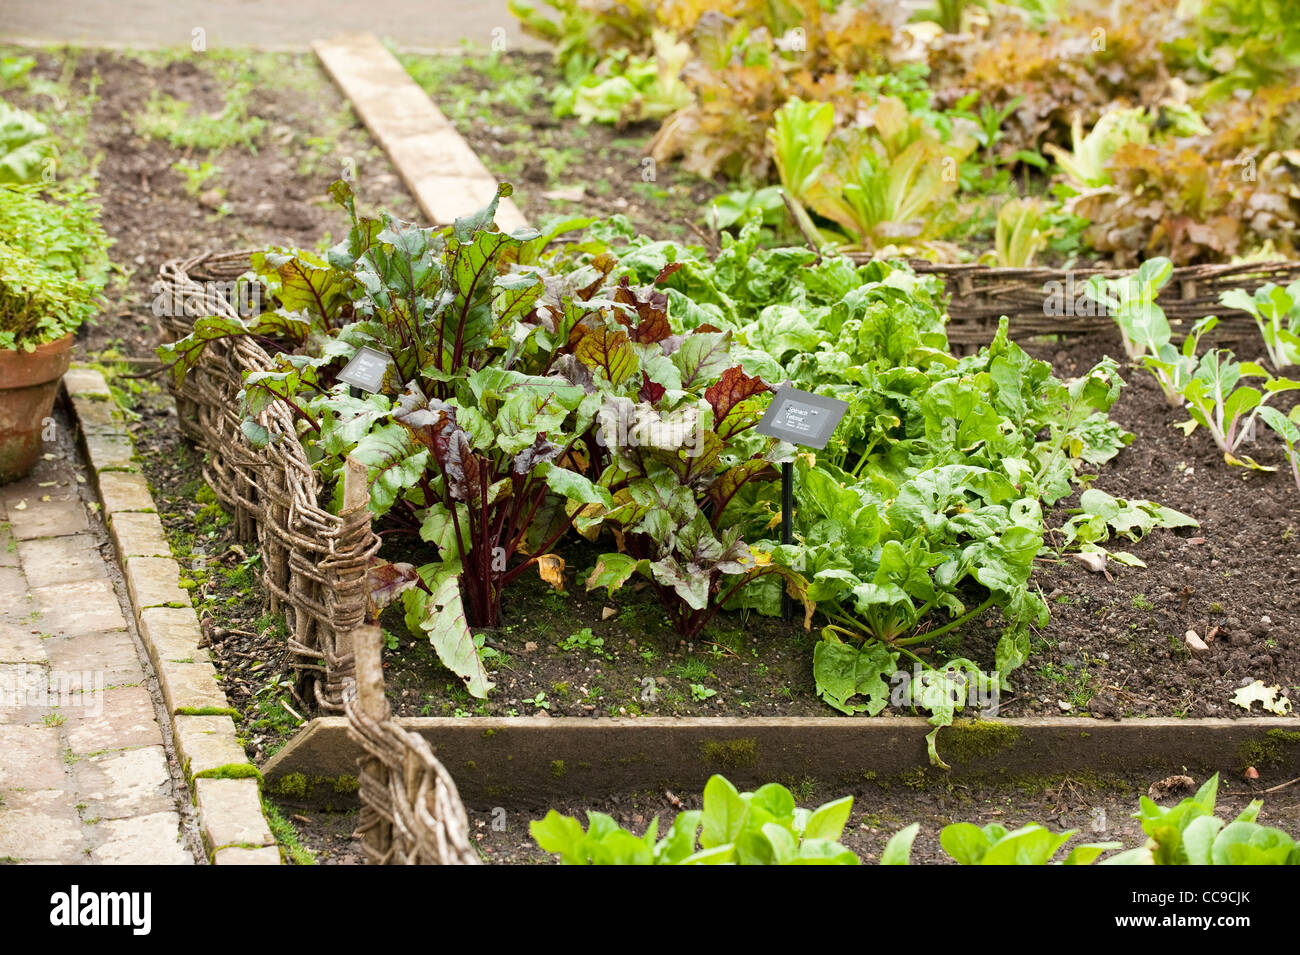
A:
(629, 88)
(1189, 833)
(886, 185)
(1033, 844)
(1086, 164)
(1276, 311)
(1227, 409)
(1020, 234)
(766, 828)
(25, 146)
(763, 827)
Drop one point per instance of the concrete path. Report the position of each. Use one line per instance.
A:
(85, 770)
(415, 25)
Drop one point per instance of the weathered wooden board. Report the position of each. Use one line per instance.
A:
(528, 762)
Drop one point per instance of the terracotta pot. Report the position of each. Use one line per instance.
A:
(29, 382)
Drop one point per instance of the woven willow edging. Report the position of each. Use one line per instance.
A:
(1048, 301)
(313, 561)
(411, 813)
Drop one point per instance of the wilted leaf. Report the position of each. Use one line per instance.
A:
(385, 582)
(1272, 698)
(550, 567)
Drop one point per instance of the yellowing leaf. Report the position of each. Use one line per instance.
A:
(1245, 462)
(1271, 698)
(550, 567)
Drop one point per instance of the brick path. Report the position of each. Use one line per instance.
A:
(85, 772)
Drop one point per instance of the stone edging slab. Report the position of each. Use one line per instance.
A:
(440, 169)
(225, 784)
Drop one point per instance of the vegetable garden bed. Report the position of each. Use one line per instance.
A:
(562, 651)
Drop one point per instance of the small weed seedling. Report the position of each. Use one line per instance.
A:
(584, 639)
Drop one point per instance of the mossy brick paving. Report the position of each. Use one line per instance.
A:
(85, 776)
(226, 787)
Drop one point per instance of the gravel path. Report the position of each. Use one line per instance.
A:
(415, 25)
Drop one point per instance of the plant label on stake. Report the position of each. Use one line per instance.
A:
(802, 417)
(365, 371)
(805, 419)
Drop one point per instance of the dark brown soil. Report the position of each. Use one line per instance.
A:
(1116, 647)
(273, 196)
(561, 167)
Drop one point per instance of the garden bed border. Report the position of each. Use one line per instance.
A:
(225, 785)
(531, 762)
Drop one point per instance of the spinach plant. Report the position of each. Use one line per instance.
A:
(1099, 516)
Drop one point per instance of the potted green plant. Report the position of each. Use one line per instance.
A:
(53, 265)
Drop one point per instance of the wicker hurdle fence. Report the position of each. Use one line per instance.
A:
(411, 813)
(313, 561)
(1030, 298)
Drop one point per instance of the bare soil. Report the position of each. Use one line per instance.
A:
(274, 194)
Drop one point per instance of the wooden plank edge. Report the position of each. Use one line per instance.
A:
(530, 762)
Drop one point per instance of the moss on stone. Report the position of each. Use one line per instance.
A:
(302, 786)
(292, 784)
(232, 771)
(208, 711)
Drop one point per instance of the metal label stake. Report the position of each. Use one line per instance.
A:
(365, 372)
(807, 420)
